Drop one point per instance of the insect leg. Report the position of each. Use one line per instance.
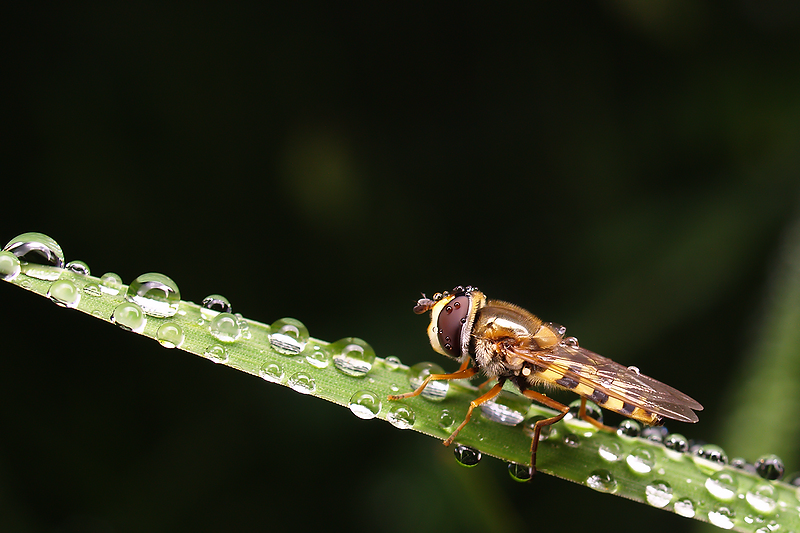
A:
(462, 373)
(494, 391)
(537, 427)
(596, 423)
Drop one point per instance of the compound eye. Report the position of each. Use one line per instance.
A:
(451, 323)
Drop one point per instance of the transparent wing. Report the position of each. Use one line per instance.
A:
(604, 375)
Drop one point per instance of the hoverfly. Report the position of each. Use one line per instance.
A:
(508, 343)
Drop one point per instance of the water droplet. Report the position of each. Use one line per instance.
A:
(592, 410)
(64, 293)
(129, 316)
(601, 480)
(110, 283)
(317, 356)
(506, 408)
(654, 434)
(271, 372)
(546, 431)
(216, 353)
(658, 494)
(572, 440)
(520, 473)
(434, 390)
(466, 456)
(629, 428)
(9, 266)
(610, 451)
(762, 498)
(741, 464)
(722, 517)
(170, 335)
(401, 416)
(722, 485)
(558, 329)
(352, 356)
(244, 326)
(78, 267)
(42, 255)
(710, 452)
(225, 328)
(92, 289)
(634, 369)
(216, 303)
(684, 507)
(446, 419)
(365, 404)
(156, 294)
(641, 460)
(392, 362)
(570, 342)
(770, 467)
(288, 336)
(677, 442)
(302, 383)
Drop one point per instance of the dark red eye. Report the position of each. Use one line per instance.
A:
(451, 324)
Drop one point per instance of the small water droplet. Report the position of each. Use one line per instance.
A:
(546, 431)
(78, 267)
(466, 456)
(216, 353)
(654, 434)
(446, 419)
(558, 329)
(722, 517)
(156, 294)
(601, 480)
(641, 460)
(762, 498)
(111, 283)
(9, 266)
(353, 356)
(770, 467)
(610, 451)
(64, 293)
(41, 254)
(571, 342)
(92, 289)
(677, 442)
(520, 473)
(302, 383)
(129, 316)
(170, 335)
(225, 328)
(722, 486)
(634, 369)
(506, 408)
(288, 336)
(271, 372)
(710, 452)
(658, 493)
(572, 440)
(317, 356)
(629, 428)
(392, 362)
(741, 464)
(401, 416)
(592, 410)
(684, 507)
(214, 304)
(365, 404)
(434, 390)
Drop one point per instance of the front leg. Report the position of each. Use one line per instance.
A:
(462, 373)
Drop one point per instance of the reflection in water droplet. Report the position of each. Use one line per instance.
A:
(520, 473)
(572, 440)
(129, 316)
(288, 336)
(302, 383)
(762, 498)
(271, 372)
(641, 460)
(352, 356)
(170, 335)
(446, 419)
(601, 480)
(217, 353)
(684, 507)
(401, 416)
(658, 494)
(770, 467)
(110, 283)
(225, 328)
(92, 289)
(629, 428)
(214, 304)
(392, 362)
(365, 404)
(64, 293)
(722, 517)
(434, 390)
(570, 342)
(722, 486)
(156, 294)
(610, 451)
(654, 434)
(36, 248)
(79, 267)
(677, 442)
(507, 408)
(317, 356)
(710, 452)
(9, 266)
(466, 456)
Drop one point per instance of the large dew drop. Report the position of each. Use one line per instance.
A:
(9, 266)
(156, 294)
(507, 408)
(129, 316)
(466, 456)
(225, 328)
(41, 254)
(602, 480)
(352, 356)
(658, 494)
(401, 416)
(64, 293)
(288, 336)
(434, 390)
(365, 404)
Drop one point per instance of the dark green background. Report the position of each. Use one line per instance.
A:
(624, 168)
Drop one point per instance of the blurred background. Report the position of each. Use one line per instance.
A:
(628, 169)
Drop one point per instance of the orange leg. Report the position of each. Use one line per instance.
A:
(537, 427)
(596, 423)
(462, 373)
(494, 391)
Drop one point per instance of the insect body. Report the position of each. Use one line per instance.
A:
(508, 343)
